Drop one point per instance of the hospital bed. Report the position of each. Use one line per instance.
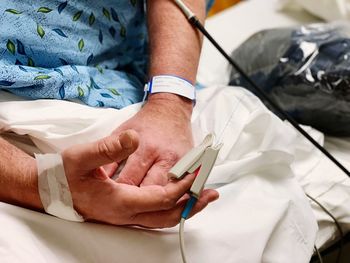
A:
(241, 22)
(234, 229)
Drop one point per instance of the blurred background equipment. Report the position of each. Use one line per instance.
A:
(220, 5)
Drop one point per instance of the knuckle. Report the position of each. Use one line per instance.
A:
(105, 149)
(168, 202)
(143, 162)
(172, 157)
(168, 160)
(152, 151)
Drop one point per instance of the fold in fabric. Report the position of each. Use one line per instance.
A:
(262, 214)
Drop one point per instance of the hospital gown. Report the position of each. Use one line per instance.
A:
(95, 51)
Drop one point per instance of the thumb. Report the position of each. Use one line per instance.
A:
(110, 149)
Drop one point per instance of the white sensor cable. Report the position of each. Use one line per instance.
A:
(182, 240)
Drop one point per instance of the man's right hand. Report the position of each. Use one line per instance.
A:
(99, 198)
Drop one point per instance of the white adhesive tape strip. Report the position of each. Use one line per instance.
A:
(54, 189)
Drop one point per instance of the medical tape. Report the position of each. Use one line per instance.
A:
(54, 189)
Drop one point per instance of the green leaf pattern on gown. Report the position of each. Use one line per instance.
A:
(88, 50)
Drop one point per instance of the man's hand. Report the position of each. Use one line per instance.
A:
(99, 198)
(164, 122)
(164, 127)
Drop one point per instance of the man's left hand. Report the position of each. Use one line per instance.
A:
(164, 127)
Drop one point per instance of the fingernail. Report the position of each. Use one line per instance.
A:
(126, 140)
(214, 197)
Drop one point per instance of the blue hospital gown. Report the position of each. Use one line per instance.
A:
(92, 50)
(95, 51)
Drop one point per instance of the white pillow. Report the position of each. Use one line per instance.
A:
(329, 10)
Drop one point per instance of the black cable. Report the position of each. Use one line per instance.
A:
(318, 255)
(337, 225)
(195, 21)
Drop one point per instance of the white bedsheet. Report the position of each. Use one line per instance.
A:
(261, 201)
(231, 28)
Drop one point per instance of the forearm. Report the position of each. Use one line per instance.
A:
(18, 177)
(174, 44)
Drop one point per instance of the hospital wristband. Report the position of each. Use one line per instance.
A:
(170, 84)
(54, 189)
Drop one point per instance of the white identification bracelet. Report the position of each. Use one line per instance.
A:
(170, 84)
(54, 189)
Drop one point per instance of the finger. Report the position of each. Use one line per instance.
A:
(156, 198)
(110, 169)
(107, 150)
(170, 218)
(157, 175)
(136, 168)
(100, 173)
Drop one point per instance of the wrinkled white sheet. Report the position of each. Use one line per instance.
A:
(261, 216)
(326, 183)
(330, 10)
(28, 236)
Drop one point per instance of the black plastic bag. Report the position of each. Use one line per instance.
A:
(306, 70)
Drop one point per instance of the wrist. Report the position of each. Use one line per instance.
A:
(32, 193)
(170, 100)
(53, 187)
(26, 193)
(172, 89)
(18, 177)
